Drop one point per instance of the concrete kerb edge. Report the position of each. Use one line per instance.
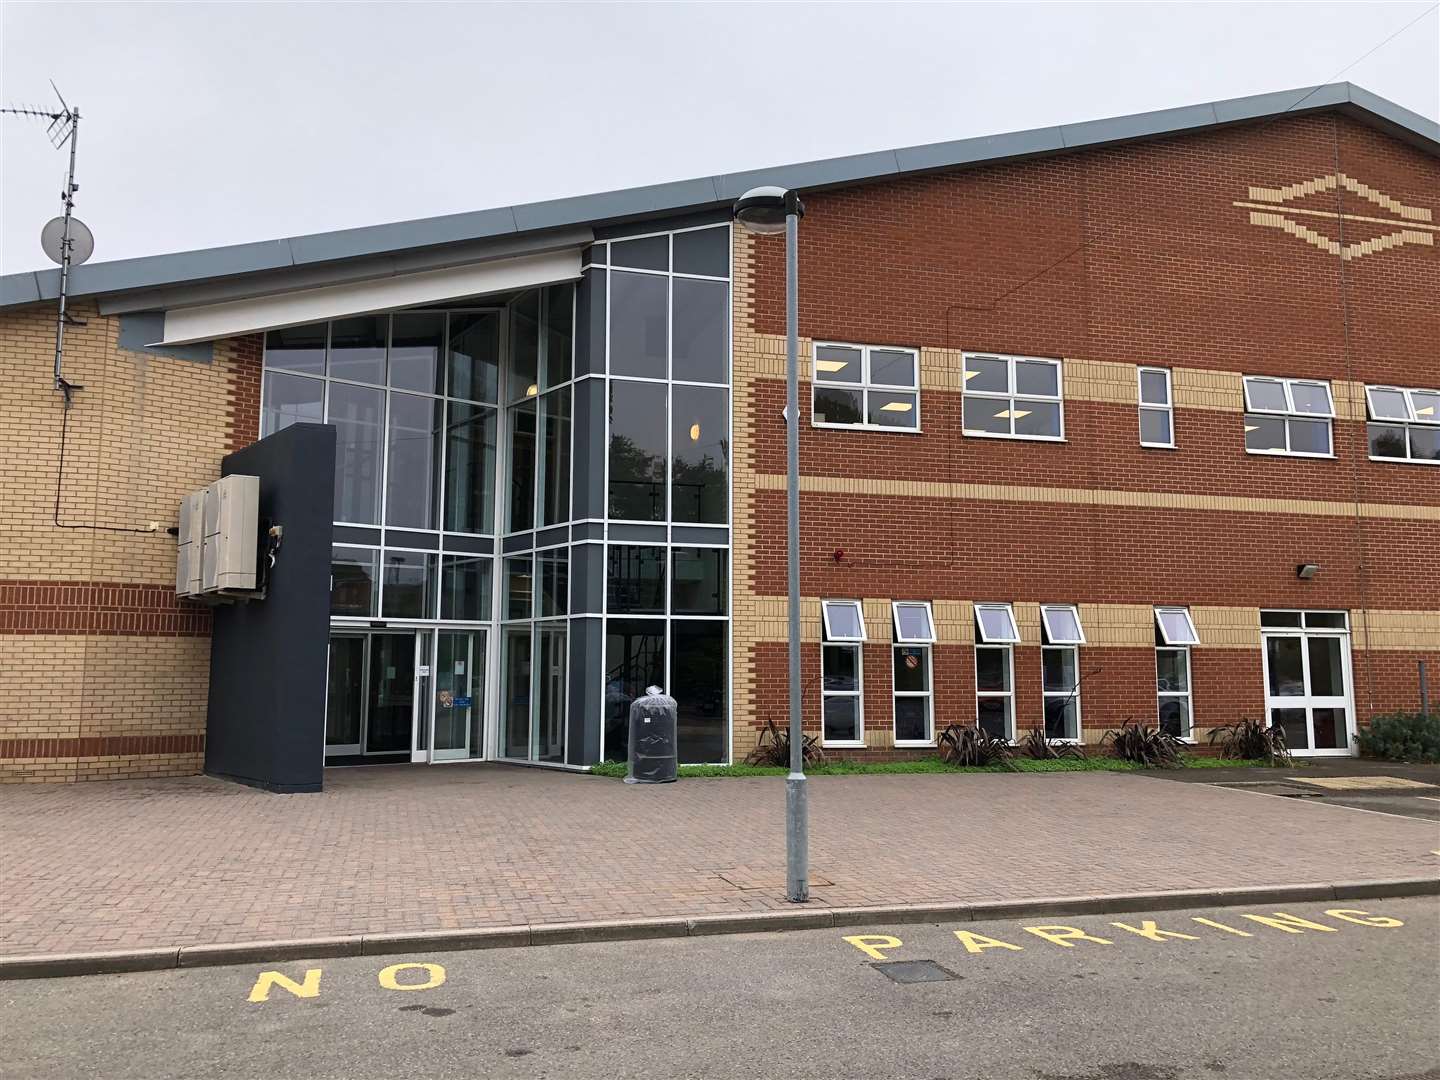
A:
(160, 959)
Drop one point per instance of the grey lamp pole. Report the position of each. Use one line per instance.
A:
(769, 210)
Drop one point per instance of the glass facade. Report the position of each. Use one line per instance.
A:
(664, 358)
(532, 508)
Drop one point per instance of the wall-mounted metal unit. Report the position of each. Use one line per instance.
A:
(232, 504)
(219, 538)
(192, 537)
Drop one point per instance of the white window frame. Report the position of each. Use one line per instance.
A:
(1412, 419)
(864, 386)
(858, 694)
(1290, 412)
(928, 694)
(1011, 395)
(983, 636)
(1074, 694)
(1008, 695)
(1168, 407)
(1052, 637)
(844, 641)
(1164, 632)
(830, 635)
(900, 637)
(1161, 696)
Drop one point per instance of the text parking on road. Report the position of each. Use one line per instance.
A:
(1191, 928)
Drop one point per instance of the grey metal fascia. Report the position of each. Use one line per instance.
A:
(22, 288)
(617, 205)
(984, 148)
(1410, 127)
(332, 248)
(308, 277)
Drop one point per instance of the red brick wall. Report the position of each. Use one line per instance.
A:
(1134, 254)
(1161, 267)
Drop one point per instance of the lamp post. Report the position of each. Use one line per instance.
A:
(767, 211)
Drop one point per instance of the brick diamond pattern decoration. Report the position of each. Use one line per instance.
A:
(1415, 222)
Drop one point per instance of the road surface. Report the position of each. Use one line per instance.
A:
(1345, 995)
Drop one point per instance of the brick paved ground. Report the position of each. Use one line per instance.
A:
(196, 860)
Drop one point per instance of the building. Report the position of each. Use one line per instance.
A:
(1088, 406)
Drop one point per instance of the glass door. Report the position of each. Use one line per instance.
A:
(1307, 691)
(391, 718)
(459, 700)
(345, 695)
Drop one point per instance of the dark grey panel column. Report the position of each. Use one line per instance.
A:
(587, 641)
(590, 324)
(588, 468)
(266, 720)
(587, 578)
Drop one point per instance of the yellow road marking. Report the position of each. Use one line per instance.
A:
(434, 976)
(975, 943)
(871, 944)
(1348, 915)
(308, 989)
(1221, 926)
(1063, 935)
(1291, 924)
(1148, 929)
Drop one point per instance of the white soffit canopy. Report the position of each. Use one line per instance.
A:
(208, 322)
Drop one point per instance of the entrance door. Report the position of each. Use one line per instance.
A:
(375, 682)
(345, 697)
(459, 701)
(1307, 690)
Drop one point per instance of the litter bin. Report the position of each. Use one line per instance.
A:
(652, 738)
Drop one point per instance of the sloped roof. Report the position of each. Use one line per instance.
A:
(272, 258)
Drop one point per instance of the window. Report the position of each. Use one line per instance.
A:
(995, 670)
(1174, 634)
(1288, 416)
(1157, 408)
(844, 621)
(1175, 626)
(1013, 397)
(995, 624)
(914, 686)
(913, 623)
(1404, 424)
(1061, 634)
(1062, 624)
(841, 669)
(867, 386)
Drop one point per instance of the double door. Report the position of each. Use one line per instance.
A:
(416, 694)
(1307, 691)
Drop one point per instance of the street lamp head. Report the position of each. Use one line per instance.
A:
(763, 209)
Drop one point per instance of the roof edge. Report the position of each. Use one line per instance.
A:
(682, 196)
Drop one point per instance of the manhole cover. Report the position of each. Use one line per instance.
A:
(1274, 787)
(915, 971)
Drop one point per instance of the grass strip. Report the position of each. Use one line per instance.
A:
(617, 769)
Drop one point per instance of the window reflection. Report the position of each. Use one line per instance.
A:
(634, 660)
(700, 444)
(637, 451)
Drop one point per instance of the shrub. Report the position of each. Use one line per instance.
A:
(1251, 740)
(1145, 745)
(773, 747)
(1403, 736)
(1040, 747)
(964, 745)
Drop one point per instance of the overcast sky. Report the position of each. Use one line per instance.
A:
(208, 124)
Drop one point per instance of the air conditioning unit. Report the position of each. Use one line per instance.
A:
(191, 537)
(219, 527)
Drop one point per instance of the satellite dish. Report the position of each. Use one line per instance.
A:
(82, 240)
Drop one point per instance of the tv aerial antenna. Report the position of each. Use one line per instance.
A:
(65, 239)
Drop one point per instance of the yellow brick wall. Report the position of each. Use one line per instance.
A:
(144, 431)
